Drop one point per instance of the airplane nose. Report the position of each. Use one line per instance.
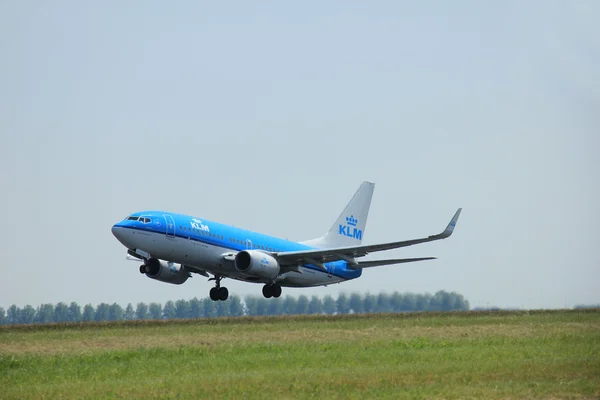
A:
(116, 231)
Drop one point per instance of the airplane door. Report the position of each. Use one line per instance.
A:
(248, 244)
(170, 231)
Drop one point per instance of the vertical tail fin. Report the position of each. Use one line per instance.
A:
(349, 228)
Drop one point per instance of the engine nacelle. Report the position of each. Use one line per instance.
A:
(164, 271)
(256, 263)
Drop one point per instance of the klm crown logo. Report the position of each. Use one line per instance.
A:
(349, 229)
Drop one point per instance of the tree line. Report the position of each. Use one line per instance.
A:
(235, 306)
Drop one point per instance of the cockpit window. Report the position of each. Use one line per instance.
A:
(145, 220)
(132, 218)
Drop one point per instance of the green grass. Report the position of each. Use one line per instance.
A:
(541, 354)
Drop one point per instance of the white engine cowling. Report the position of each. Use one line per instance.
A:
(164, 271)
(256, 263)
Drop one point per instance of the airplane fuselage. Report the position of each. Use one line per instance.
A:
(206, 246)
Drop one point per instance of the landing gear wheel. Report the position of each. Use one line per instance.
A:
(218, 293)
(223, 293)
(143, 269)
(276, 291)
(267, 291)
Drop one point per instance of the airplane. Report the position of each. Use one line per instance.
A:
(173, 246)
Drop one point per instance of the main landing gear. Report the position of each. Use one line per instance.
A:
(273, 290)
(218, 293)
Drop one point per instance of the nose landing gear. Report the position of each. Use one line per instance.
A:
(218, 293)
(271, 290)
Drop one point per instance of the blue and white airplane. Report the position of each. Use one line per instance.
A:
(172, 246)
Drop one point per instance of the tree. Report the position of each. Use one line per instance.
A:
(27, 315)
(102, 312)
(329, 306)
(342, 304)
(422, 302)
(384, 303)
(115, 312)
(129, 313)
(222, 308)
(169, 310)
(44, 314)
(251, 305)
(61, 312)
(182, 309)
(436, 302)
(289, 305)
(315, 306)
(460, 303)
(155, 310)
(356, 303)
(208, 307)
(13, 315)
(275, 306)
(88, 313)
(195, 308)
(141, 311)
(370, 303)
(396, 302)
(74, 312)
(2, 316)
(302, 305)
(236, 308)
(262, 306)
(409, 302)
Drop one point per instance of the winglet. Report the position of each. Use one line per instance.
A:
(450, 228)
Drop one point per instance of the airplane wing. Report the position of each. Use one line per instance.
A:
(319, 256)
(378, 263)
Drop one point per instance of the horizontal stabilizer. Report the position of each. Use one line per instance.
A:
(378, 263)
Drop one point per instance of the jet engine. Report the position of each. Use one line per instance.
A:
(256, 263)
(164, 271)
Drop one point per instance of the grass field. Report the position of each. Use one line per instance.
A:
(536, 354)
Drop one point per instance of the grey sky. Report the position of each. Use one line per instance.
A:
(269, 116)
